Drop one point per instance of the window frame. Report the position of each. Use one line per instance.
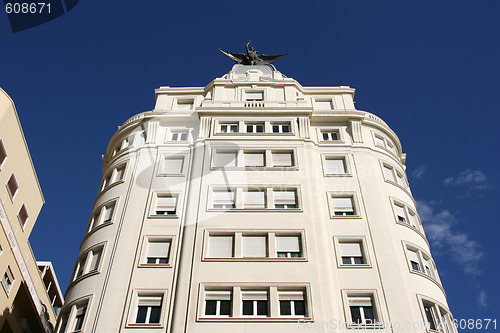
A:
(388, 144)
(317, 101)
(69, 314)
(110, 178)
(439, 311)
(252, 91)
(99, 213)
(355, 204)
(134, 307)
(348, 294)
(171, 131)
(85, 259)
(347, 165)
(239, 158)
(23, 221)
(154, 203)
(271, 244)
(409, 212)
(184, 101)
(397, 175)
(330, 129)
(8, 280)
(145, 251)
(8, 186)
(161, 165)
(361, 240)
(3, 154)
(422, 263)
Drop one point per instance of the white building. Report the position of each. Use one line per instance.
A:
(255, 204)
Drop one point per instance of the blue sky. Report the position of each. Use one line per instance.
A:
(430, 69)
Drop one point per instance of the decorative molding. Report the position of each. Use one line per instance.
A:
(204, 127)
(151, 131)
(304, 126)
(357, 136)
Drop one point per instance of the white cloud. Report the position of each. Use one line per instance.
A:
(474, 179)
(481, 299)
(442, 232)
(418, 172)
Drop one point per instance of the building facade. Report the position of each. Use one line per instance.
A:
(30, 290)
(255, 204)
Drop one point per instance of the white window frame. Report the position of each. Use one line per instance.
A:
(135, 303)
(293, 297)
(218, 296)
(240, 291)
(143, 262)
(375, 303)
(226, 127)
(412, 220)
(238, 163)
(344, 158)
(163, 161)
(321, 103)
(112, 177)
(280, 126)
(8, 280)
(254, 125)
(363, 248)
(396, 175)
(443, 319)
(424, 260)
(97, 218)
(86, 259)
(70, 314)
(184, 104)
(250, 93)
(252, 296)
(154, 204)
(355, 205)
(385, 144)
(247, 153)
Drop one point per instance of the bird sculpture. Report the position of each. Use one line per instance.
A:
(252, 57)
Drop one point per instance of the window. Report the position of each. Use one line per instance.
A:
(335, 166)
(23, 216)
(254, 199)
(79, 317)
(255, 303)
(89, 262)
(255, 127)
(158, 252)
(393, 175)
(406, 216)
(343, 206)
(351, 253)
(228, 128)
(280, 128)
(3, 153)
(285, 199)
(420, 262)
(254, 159)
(288, 247)
(329, 135)
(271, 244)
(282, 159)
(323, 105)
(149, 309)
(12, 186)
(254, 246)
(120, 172)
(179, 136)
(436, 317)
(292, 303)
(223, 199)
(185, 104)
(116, 175)
(172, 165)
(102, 216)
(7, 280)
(166, 205)
(221, 246)
(254, 96)
(225, 158)
(362, 310)
(381, 141)
(218, 303)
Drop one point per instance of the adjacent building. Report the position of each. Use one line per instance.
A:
(30, 290)
(255, 204)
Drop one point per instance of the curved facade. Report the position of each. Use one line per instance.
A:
(255, 203)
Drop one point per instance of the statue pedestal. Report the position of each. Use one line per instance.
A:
(242, 69)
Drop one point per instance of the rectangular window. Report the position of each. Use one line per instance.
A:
(23, 216)
(329, 135)
(166, 205)
(400, 179)
(281, 128)
(323, 105)
(221, 246)
(218, 303)
(430, 315)
(173, 165)
(414, 260)
(7, 280)
(158, 252)
(254, 96)
(288, 247)
(400, 213)
(255, 128)
(95, 259)
(148, 309)
(254, 246)
(379, 141)
(285, 199)
(292, 303)
(362, 310)
(228, 128)
(106, 182)
(3, 153)
(335, 166)
(179, 136)
(223, 199)
(255, 303)
(254, 159)
(389, 173)
(120, 173)
(282, 159)
(254, 199)
(108, 213)
(225, 159)
(12, 186)
(185, 104)
(343, 206)
(351, 253)
(89, 261)
(80, 317)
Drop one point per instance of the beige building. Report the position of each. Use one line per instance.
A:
(255, 204)
(30, 291)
